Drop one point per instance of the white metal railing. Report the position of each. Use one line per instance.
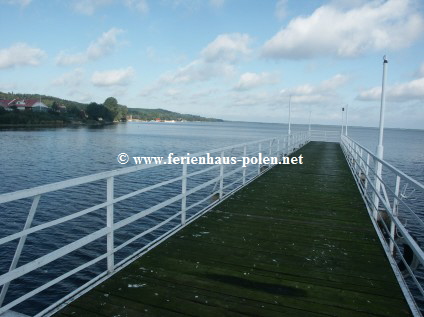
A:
(324, 135)
(393, 202)
(212, 184)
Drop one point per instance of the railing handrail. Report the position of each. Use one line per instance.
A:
(385, 206)
(271, 146)
(417, 184)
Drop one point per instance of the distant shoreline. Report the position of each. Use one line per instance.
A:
(82, 124)
(55, 124)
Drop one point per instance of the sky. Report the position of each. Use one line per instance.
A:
(240, 60)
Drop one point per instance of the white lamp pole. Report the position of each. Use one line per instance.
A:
(341, 133)
(380, 148)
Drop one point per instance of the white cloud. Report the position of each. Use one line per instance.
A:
(334, 30)
(88, 7)
(334, 82)
(172, 92)
(252, 80)
(73, 78)
(117, 77)
(198, 70)
(190, 5)
(21, 3)
(420, 72)
(103, 46)
(258, 99)
(80, 96)
(216, 60)
(216, 3)
(227, 48)
(193, 5)
(412, 90)
(326, 91)
(140, 5)
(281, 9)
(20, 54)
(369, 94)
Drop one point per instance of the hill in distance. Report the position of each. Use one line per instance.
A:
(152, 114)
(137, 113)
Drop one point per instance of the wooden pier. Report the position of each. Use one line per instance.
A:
(298, 241)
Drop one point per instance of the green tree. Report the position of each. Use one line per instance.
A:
(112, 105)
(123, 112)
(96, 111)
(55, 106)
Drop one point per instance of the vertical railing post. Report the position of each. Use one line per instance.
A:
(367, 168)
(109, 224)
(259, 153)
(20, 245)
(244, 168)
(270, 152)
(288, 145)
(221, 177)
(377, 175)
(184, 194)
(278, 149)
(395, 213)
(354, 156)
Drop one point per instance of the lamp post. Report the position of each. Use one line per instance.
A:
(341, 133)
(380, 148)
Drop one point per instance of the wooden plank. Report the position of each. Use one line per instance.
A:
(296, 242)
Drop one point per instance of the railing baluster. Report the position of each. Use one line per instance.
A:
(378, 170)
(244, 168)
(221, 177)
(270, 152)
(184, 193)
(259, 152)
(278, 149)
(395, 213)
(20, 245)
(288, 145)
(367, 168)
(109, 224)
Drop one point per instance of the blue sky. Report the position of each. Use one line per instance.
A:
(229, 59)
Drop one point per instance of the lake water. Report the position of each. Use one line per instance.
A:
(40, 156)
(33, 157)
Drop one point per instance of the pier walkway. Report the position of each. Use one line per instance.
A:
(298, 241)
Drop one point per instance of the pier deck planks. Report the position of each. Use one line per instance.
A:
(296, 242)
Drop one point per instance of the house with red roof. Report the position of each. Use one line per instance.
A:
(24, 104)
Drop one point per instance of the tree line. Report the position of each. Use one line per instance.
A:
(107, 112)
